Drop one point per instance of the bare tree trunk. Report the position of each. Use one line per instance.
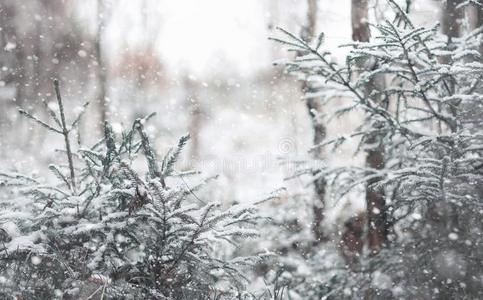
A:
(101, 67)
(318, 207)
(450, 18)
(479, 17)
(476, 18)
(479, 22)
(450, 24)
(352, 243)
(195, 121)
(359, 18)
(314, 109)
(13, 55)
(7, 59)
(375, 199)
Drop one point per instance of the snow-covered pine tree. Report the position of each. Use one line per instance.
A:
(106, 230)
(424, 116)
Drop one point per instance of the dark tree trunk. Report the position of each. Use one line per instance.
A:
(375, 199)
(359, 17)
(318, 207)
(478, 20)
(314, 109)
(352, 243)
(450, 18)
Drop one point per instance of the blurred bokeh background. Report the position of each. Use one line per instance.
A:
(206, 67)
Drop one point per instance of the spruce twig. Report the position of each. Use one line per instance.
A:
(40, 122)
(65, 133)
(154, 170)
(63, 130)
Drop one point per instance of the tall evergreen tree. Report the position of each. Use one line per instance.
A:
(432, 159)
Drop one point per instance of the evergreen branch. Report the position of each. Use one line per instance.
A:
(65, 133)
(173, 155)
(51, 113)
(153, 167)
(42, 123)
(59, 175)
(79, 116)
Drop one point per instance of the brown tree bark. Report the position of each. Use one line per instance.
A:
(318, 207)
(314, 109)
(359, 19)
(352, 243)
(375, 199)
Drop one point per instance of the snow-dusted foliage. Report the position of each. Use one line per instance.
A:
(421, 93)
(106, 230)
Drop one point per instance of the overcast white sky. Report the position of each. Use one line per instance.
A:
(200, 35)
(203, 35)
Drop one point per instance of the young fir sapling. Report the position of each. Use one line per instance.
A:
(106, 228)
(427, 114)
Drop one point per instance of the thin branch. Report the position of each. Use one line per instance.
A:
(42, 123)
(65, 133)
